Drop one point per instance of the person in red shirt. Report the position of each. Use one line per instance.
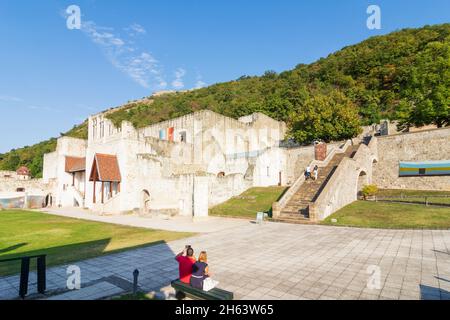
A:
(185, 261)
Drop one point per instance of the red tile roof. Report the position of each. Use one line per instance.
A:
(105, 168)
(23, 171)
(75, 164)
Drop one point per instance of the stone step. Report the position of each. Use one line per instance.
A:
(306, 191)
(306, 194)
(294, 221)
(291, 214)
(296, 207)
(285, 215)
(305, 197)
(297, 201)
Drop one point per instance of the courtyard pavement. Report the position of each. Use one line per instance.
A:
(177, 223)
(277, 261)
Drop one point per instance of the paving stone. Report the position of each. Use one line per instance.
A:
(307, 262)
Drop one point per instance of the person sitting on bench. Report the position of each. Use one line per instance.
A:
(200, 271)
(185, 261)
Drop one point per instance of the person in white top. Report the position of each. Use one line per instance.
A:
(308, 172)
(316, 172)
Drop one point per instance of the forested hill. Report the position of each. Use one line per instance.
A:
(404, 75)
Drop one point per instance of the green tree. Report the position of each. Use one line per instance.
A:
(326, 117)
(11, 161)
(36, 166)
(427, 88)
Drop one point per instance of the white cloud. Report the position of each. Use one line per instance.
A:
(199, 82)
(140, 66)
(7, 98)
(101, 35)
(135, 29)
(178, 82)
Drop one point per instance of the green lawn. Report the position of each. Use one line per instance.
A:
(66, 240)
(390, 215)
(417, 196)
(410, 193)
(421, 200)
(249, 203)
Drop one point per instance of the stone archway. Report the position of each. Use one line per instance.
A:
(145, 206)
(48, 202)
(363, 180)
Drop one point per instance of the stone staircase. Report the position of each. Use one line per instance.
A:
(78, 196)
(296, 210)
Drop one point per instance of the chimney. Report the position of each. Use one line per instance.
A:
(320, 151)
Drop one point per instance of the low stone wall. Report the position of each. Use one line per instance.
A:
(34, 186)
(223, 188)
(8, 175)
(21, 200)
(414, 146)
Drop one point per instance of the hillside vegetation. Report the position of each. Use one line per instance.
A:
(33, 156)
(404, 75)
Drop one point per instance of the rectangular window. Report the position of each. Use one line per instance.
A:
(170, 132)
(183, 136)
(94, 128)
(162, 134)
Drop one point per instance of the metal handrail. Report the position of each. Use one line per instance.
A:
(25, 273)
(409, 197)
(20, 258)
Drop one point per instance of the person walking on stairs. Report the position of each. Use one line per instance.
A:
(308, 172)
(316, 172)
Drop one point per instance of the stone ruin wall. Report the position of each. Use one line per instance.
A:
(32, 186)
(416, 146)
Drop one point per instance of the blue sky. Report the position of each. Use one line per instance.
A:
(52, 78)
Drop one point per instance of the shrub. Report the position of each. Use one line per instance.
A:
(369, 190)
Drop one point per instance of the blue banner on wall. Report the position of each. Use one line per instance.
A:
(424, 168)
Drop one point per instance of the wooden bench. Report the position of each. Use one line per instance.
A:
(198, 294)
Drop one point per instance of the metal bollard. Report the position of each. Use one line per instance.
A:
(135, 280)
